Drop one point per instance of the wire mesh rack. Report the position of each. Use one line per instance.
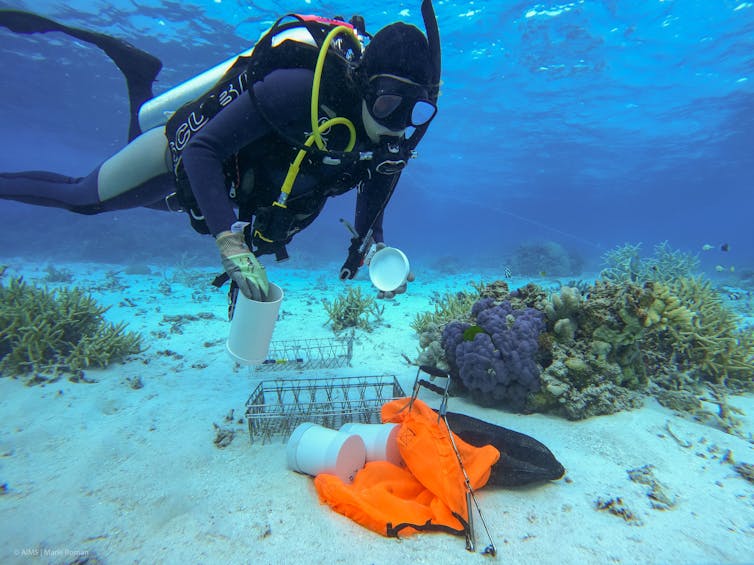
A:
(276, 407)
(303, 354)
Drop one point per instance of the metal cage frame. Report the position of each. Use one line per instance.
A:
(277, 406)
(303, 354)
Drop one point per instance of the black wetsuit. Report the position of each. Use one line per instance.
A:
(236, 140)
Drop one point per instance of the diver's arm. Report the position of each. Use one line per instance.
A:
(235, 126)
(370, 206)
(371, 198)
(284, 94)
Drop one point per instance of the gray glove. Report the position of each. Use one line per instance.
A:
(242, 266)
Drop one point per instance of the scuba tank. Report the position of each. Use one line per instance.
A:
(157, 111)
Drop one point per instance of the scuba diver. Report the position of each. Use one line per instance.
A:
(306, 115)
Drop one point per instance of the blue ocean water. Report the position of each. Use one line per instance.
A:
(586, 123)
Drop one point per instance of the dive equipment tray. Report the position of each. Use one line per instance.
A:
(277, 407)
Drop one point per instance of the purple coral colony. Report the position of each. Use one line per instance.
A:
(496, 358)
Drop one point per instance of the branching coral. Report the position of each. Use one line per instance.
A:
(46, 332)
(352, 310)
(718, 350)
(622, 263)
(55, 275)
(665, 338)
(447, 308)
(667, 264)
(625, 264)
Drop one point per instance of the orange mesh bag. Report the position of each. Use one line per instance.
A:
(429, 494)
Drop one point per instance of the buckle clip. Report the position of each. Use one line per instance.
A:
(169, 198)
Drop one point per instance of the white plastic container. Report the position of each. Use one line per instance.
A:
(389, 268)
(313, 449)
(252, 325)
(381, 440)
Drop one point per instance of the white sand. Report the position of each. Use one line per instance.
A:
(133, 476)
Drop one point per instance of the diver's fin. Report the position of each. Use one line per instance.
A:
(139, 67)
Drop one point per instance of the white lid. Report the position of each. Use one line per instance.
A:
(388, 268)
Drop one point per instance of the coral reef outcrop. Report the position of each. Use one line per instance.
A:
(647, 327)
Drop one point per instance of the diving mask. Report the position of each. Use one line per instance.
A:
(398, 103)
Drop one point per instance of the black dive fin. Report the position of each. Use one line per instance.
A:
(139, 67)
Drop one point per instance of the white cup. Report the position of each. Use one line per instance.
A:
(389, 268)
(252, 325)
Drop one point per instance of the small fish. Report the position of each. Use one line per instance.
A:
(542, 273)
(507, 273)
(724, 247)
(719, 268)
(707, 247)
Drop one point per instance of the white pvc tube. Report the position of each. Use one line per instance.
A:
(314, 449)
(381, 440)
(252, 325)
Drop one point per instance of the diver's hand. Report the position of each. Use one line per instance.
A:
(353, 261)
(242, 267)
(388, 294)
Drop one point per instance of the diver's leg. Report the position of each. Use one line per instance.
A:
(50, 189)
(138, 175)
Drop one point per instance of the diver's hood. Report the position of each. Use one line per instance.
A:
(433, 38)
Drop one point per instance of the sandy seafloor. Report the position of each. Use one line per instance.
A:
(130, 475)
